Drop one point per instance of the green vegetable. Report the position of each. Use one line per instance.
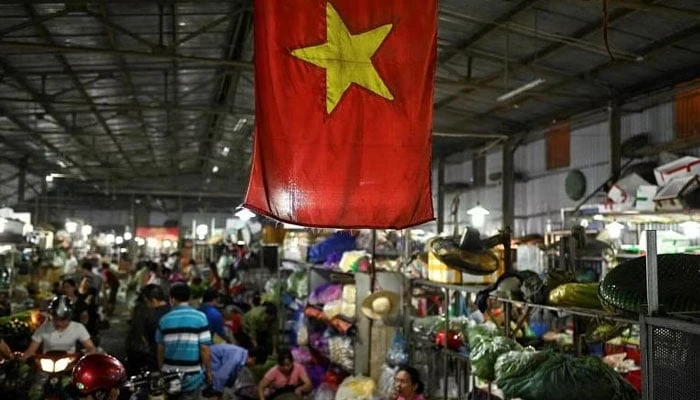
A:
(565, 378)
(515, 364)
(485, 352)
(583, 295)
(624, 287)
(477, 333)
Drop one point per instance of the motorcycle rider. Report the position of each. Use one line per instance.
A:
(98, 377)
(60, 333)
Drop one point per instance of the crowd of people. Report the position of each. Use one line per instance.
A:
(181, 319)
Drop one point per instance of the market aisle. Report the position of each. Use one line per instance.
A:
(112, 339)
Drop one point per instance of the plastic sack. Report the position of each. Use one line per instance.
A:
(332, 309)
(326, 293)
(324, 392)
(477, 333)
(567, 378)
(397, 354)
(387, 378)
(302, 332)
(341, 351)
(583, 295)
(356, 388)
(349, 294)
(298, 284)
(301, 355)
(334, 246)
(484, 354)
(348, 262)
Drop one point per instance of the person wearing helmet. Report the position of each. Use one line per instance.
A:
(98, 377)
(60, 333)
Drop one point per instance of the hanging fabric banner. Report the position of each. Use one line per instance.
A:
(343, 112)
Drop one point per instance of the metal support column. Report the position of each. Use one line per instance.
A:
(646, 337)
(614, 129)
(440, 196)
(508, 185)
(44, 203)
(22, 180)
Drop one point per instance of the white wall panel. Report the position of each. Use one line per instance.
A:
(658, 121)
(590, 145)
(494, 161)
(461, 172)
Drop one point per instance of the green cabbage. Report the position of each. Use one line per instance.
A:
(486, 351)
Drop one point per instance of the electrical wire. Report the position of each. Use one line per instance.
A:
(606, 32)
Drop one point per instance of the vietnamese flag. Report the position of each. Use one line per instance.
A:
(343, 112)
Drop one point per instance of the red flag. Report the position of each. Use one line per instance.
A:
(343, 112)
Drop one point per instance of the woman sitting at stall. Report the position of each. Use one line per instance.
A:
(286, 377)
(408, 385)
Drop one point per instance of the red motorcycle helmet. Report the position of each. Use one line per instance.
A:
(98, 372)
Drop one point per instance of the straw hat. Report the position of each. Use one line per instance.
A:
(381, 304)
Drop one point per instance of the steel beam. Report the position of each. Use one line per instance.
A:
(44, 32)
(105, 19)
(440, 196)
(657, 9)
(614, 131)
(33, 21)
(450, 54)
(56, 48)
(508, 194)
(539, 55)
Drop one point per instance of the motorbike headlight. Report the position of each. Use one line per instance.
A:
(46, 365)
(62, 364)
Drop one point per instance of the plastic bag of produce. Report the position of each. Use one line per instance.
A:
(386, 380)
(324, 392)
(356, 388)
(486, 351)
(477, 333)
(298, 284)
(397, 355)
(302, 331)
(515, 364)
(566, 378)
(583, 295)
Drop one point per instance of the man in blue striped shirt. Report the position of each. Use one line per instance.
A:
(183, 343)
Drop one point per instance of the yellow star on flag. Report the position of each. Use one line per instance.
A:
(347, 58)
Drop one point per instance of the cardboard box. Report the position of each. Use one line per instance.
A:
(625, 190)
(644, 200)
(671, 196)
(681, 168)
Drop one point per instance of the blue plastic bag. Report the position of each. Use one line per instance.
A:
(334, 245)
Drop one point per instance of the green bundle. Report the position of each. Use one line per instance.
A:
(584, 295)
(565, 378)
(486, 351)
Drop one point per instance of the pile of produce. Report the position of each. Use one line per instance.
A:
(16, 333)
(531, 375)
(583, 295)
(485, 353)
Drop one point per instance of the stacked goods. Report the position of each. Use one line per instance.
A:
(530, 375)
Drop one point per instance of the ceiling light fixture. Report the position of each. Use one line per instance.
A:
(215, 169)
(521, 89)
(239, 125)
(225, 151)
(49, 178)
(62, 164)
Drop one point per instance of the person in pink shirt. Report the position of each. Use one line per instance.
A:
(408, 385)
(285, 378)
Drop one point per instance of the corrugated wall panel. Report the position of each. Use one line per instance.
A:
(590, 145)
(657, 120)
(458, 172)
(489, 197)
(494, 162)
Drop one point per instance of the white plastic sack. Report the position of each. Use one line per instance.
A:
(387, 380)
(356, 388)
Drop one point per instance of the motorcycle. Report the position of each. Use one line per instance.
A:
(154, 385)
(56, 365)
(15, 381)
